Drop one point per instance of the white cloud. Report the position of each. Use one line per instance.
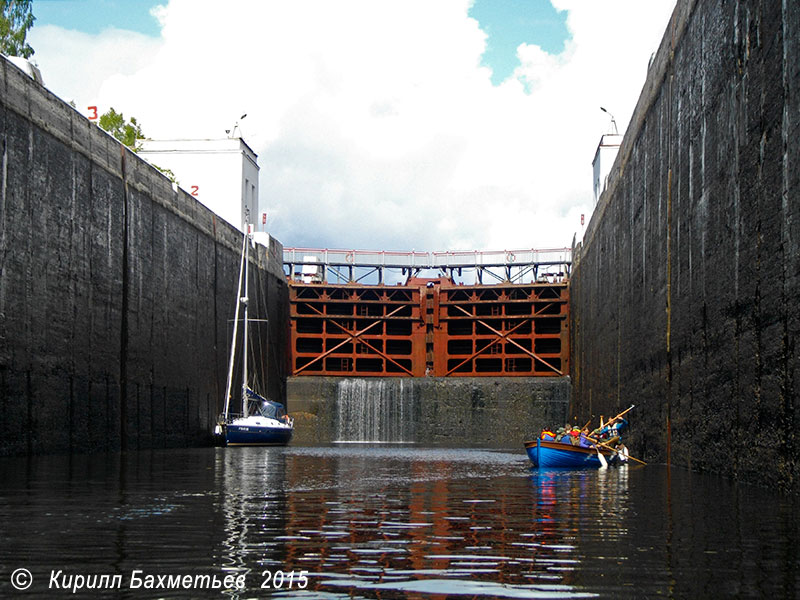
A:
(159, 12)
(376, 126)
(75, 65)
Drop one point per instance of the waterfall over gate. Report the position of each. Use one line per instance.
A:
(375, 410)
(468, 412)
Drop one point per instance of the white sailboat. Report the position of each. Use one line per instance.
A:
(262, 421)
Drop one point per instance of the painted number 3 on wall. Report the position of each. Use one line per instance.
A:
(195, 190)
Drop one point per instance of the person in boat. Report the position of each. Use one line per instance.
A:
(575, 436)
(611, 429)
(583, 439)
(622, 453)
(617, 427)
(547, 435)
(564, 434)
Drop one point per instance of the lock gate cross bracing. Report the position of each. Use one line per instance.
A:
(430, 326)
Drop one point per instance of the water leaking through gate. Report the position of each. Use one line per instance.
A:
(375, 410)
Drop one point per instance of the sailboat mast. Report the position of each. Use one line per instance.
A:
(244, 331)
(235, 331)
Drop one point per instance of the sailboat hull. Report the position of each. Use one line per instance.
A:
(257, 435)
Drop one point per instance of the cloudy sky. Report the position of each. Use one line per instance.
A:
(379, 124)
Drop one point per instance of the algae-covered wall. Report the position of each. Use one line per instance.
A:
(115, 290)
(686, 288)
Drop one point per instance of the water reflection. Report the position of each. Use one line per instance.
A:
(253, 506)
(394, 522)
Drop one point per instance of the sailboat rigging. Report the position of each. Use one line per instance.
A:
(261, 421)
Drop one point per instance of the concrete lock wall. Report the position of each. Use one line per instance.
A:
(686, 294)
(116, 290)
(491, 412)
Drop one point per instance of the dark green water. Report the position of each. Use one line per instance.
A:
(358, 521)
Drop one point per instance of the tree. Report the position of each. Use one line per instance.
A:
(167, 173)
(126, 132)
(16, 18)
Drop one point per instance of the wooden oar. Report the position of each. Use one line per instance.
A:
(631, 407)
(641, 462)
(610, 421)
(605, 445)
(601, 458)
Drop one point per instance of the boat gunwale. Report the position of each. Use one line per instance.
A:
(551, 445)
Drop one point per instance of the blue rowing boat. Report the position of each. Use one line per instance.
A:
(557, 455)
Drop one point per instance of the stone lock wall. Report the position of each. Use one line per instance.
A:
(686, 288)
(115, 290)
